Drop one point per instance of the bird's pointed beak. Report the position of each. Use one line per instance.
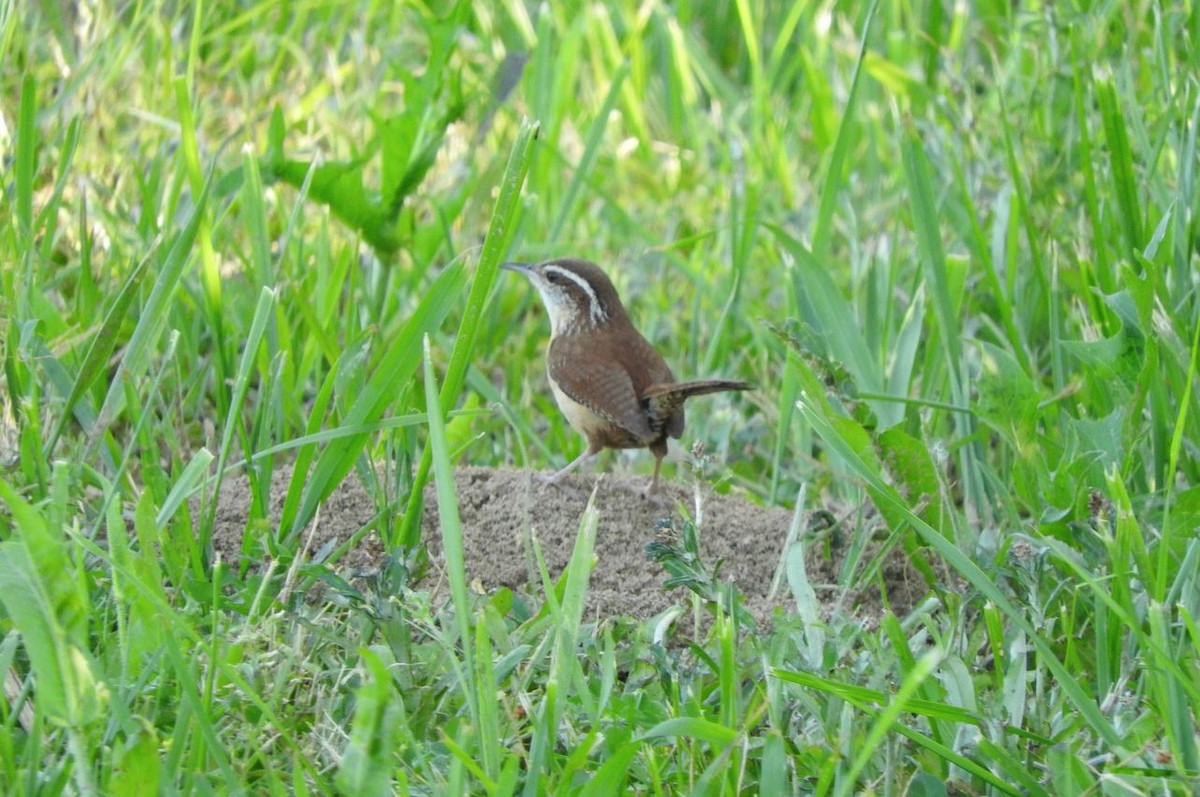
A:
(520, 268)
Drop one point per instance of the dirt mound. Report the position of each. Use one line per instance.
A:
(501, 508)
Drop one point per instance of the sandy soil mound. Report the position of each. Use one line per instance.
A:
(501, 508)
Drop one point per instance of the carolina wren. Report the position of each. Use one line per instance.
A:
(614, 388)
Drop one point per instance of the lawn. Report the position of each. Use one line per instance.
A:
(255, 246)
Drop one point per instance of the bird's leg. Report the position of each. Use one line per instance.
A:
(659, 450)
(653, 488)
(591, 451)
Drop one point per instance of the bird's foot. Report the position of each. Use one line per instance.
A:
(559, 483)
(651, 495)
(657, 500)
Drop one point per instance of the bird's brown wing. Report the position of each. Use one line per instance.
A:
(604, 387)
(664, 402)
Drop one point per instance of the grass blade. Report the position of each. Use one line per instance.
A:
(95, 361)
(153, 319)
(835, 174)
(452, 550)
(500, 230)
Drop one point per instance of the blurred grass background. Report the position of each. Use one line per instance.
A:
(954, 246)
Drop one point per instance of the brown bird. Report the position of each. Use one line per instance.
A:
(614, 388)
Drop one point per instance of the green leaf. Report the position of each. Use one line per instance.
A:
(184, 486)
(56, 572)
(132, 575)
(1097, 357)
(1100, 441)
(136, 764)
(1008, 399)
(924, 784)
(912, 468)
(1125, 184)
(339, 185)
(366, 765)
(275, 133)
(27, 146)
(43, 592)
(933, 258)
(692, 728)
(611, 776)
(1068, 772)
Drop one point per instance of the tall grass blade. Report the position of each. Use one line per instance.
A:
(452, 550)
(500, 229)
(153, 318)
(835, 173)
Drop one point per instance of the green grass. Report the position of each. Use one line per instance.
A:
(954, 245)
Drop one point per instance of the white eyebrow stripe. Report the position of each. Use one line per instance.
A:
(595, 311)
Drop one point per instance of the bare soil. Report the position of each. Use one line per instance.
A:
(501, 509)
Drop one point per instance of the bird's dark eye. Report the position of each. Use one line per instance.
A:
(553, 277)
